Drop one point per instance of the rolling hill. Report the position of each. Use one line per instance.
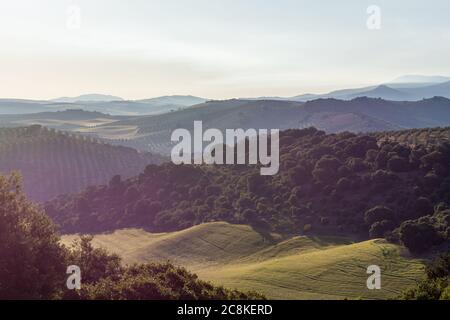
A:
(100, 103)
(407, 88)
(418, 78)
(384, 92)
(281, 267)
(401, 93)
(88, 98)
(335, 184)
(54, 162)
(67, 120)
(152, 133)
(414, 137)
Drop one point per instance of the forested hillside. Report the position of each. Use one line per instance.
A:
(53, 162)
(152, 133)
(328, 183)
(414, 137)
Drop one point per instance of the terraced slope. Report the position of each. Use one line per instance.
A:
(284, 268)
(54, 162)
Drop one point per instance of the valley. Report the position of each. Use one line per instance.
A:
(308, 232)
(223, 155)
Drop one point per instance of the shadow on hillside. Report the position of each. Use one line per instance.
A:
(265, 234)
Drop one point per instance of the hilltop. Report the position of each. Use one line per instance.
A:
(88, 98)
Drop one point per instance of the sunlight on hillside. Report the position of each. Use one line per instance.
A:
(300, 267)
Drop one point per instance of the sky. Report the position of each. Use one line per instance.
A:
(216, 49)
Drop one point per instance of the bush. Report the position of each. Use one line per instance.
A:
(378, 213)
(380, 228)
(423, 207)
(436, 286)
(356, 164)
(326, 168)
(398, 164)
(32, 263)
(418, 236)
(343, 185)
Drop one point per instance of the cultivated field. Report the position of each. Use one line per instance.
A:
(299, 267)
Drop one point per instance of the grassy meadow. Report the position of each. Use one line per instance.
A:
(280, 267)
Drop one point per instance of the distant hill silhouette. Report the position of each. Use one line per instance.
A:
(100, 103)
(88, 98)
(175, 100)
(385, 92)
(405, 88)
(417, 78)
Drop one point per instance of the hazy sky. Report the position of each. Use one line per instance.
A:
(214, 48)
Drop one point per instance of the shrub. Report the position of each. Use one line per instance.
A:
(378, 213)
(380, 228)
(422, 207)
(398, 164)
(418, 236)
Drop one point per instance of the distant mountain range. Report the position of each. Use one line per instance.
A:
(88, 98)
(417, 78)
(100, 103)
(174, 100)
(390, 91)
(404, 88)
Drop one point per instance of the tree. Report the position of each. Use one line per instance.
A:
(423, 206)
(326, 169)
(437, 283)
(398, 164)
(32, 264)
(378, 213)
(418, 236)
(379, 228)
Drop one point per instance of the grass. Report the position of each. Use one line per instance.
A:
(299, 267)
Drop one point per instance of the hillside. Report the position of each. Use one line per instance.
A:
(100, 103)
(328, 184)
(409, 88)
(280, 267)
(68, 120)
(152, 133)
(415, 137)
(54, 162)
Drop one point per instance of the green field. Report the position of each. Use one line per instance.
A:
(299, 267)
